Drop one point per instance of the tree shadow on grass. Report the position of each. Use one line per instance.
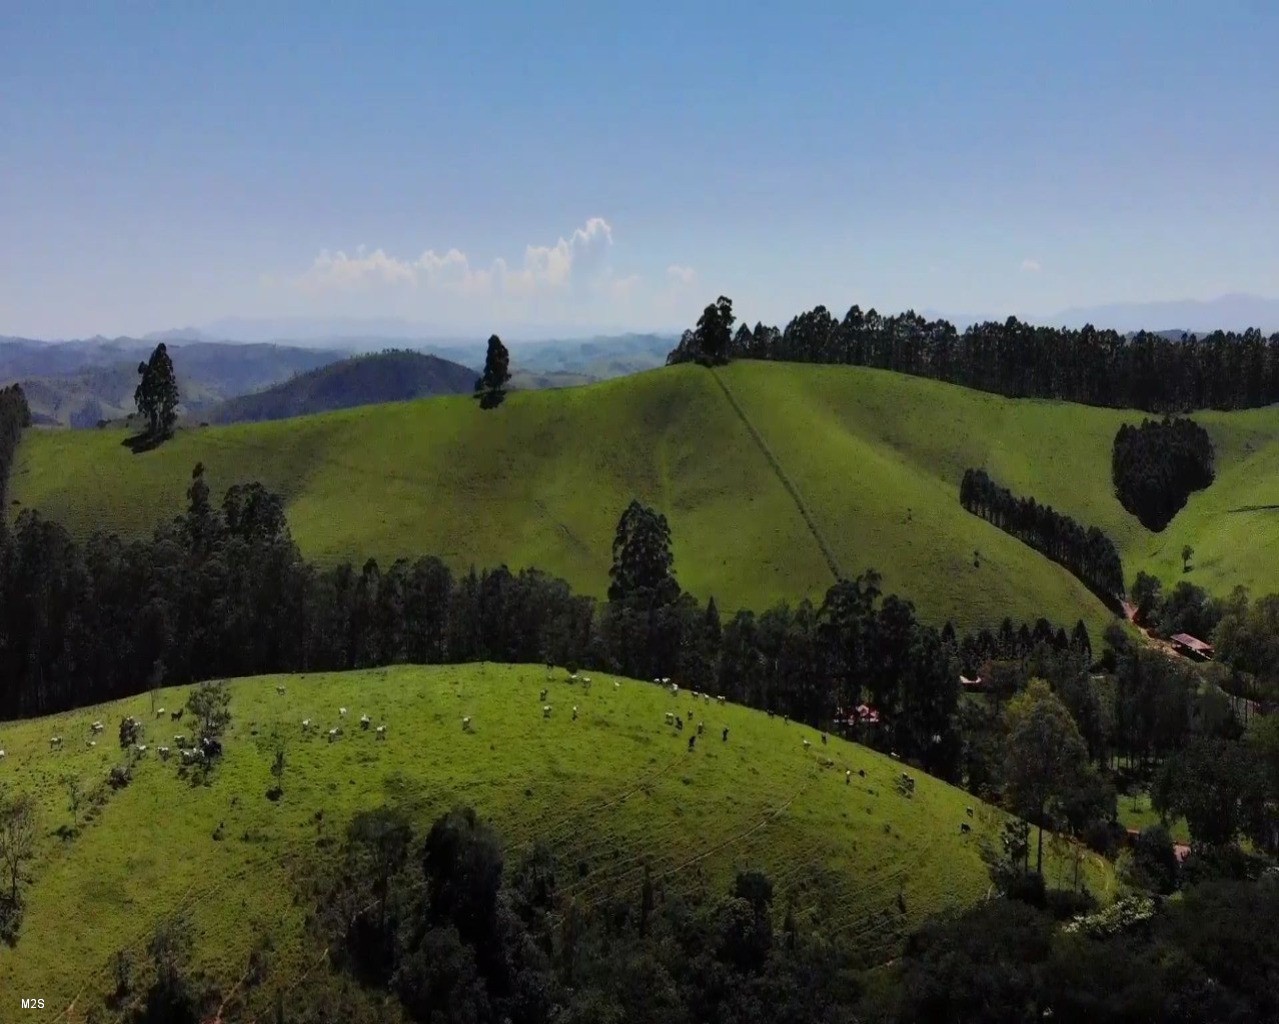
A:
(145, 441)
(491, 399)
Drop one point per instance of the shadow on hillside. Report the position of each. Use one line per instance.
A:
(144, 442)
(1255, 508)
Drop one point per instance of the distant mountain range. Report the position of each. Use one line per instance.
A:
(1227, 312)
(81, 382)
(394, 376)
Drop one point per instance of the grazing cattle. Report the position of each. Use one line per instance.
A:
(211, 747)
(334, 734)
(466, 724)
(180, 740)
(807, 744)
(280, 690)
(690, 714)
(190, 756)
(341, 712)
(306, 725)
(575, 712)
(141, 748)
(1, 755)
(861, 772)
(616, 685)
(176, 716)
(381, 732)
(365, 722)
(97, 727)
(720, 698)
(674, 689)
(701, 728)
(679, 723)
(159, 712)
(542, 695)
(823, 739)
(90, 744)
(670, 718)
(725, 734)
(970, 812)
(965, 827)
(848, 777)
(164, 753)
(546, 711)
(692, 741)
(55, 741)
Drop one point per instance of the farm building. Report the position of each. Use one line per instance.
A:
(1192, 647)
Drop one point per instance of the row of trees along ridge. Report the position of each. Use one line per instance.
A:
(1223, 370)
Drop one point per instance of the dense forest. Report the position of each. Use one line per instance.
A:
(1088, 553)
(1224, 370)
(1156, 466)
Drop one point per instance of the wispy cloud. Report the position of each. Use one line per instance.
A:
(577, 261)
(677, 274)
(1030, 266)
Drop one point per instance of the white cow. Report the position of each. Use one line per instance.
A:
(381, 732)
(546, 711)
(342, 712)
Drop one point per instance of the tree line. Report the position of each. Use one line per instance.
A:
(15, 416)
(1222, 370)
(1156, 466)
(1087, 553)
(222, 590)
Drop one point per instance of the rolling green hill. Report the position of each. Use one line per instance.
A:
(393, 376)
(874, 457)
(610, 791)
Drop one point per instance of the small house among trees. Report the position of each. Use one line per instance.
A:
(1192, 647)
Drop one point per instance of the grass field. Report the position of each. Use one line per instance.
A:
(610, 791)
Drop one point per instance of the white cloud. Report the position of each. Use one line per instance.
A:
(677, 274)
(577, 261)
(572, 280)
(1030, 266)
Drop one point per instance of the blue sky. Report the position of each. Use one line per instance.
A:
(599, 166)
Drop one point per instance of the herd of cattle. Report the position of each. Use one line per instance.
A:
(210, 747)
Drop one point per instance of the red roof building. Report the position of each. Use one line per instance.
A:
(1192, 646)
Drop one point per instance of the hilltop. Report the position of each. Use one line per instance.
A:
(609, 792)
(392, 376)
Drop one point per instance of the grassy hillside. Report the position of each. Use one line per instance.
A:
(543, 479)
(393, 376)
(609, 791)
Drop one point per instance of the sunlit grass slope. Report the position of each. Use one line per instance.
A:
(543, 479)
(611, 791)
(901, 437)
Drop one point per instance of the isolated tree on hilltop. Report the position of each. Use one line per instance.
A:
(497, 372)
(712, 341)
(715, 331)
(157, 392)
(642, 559)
